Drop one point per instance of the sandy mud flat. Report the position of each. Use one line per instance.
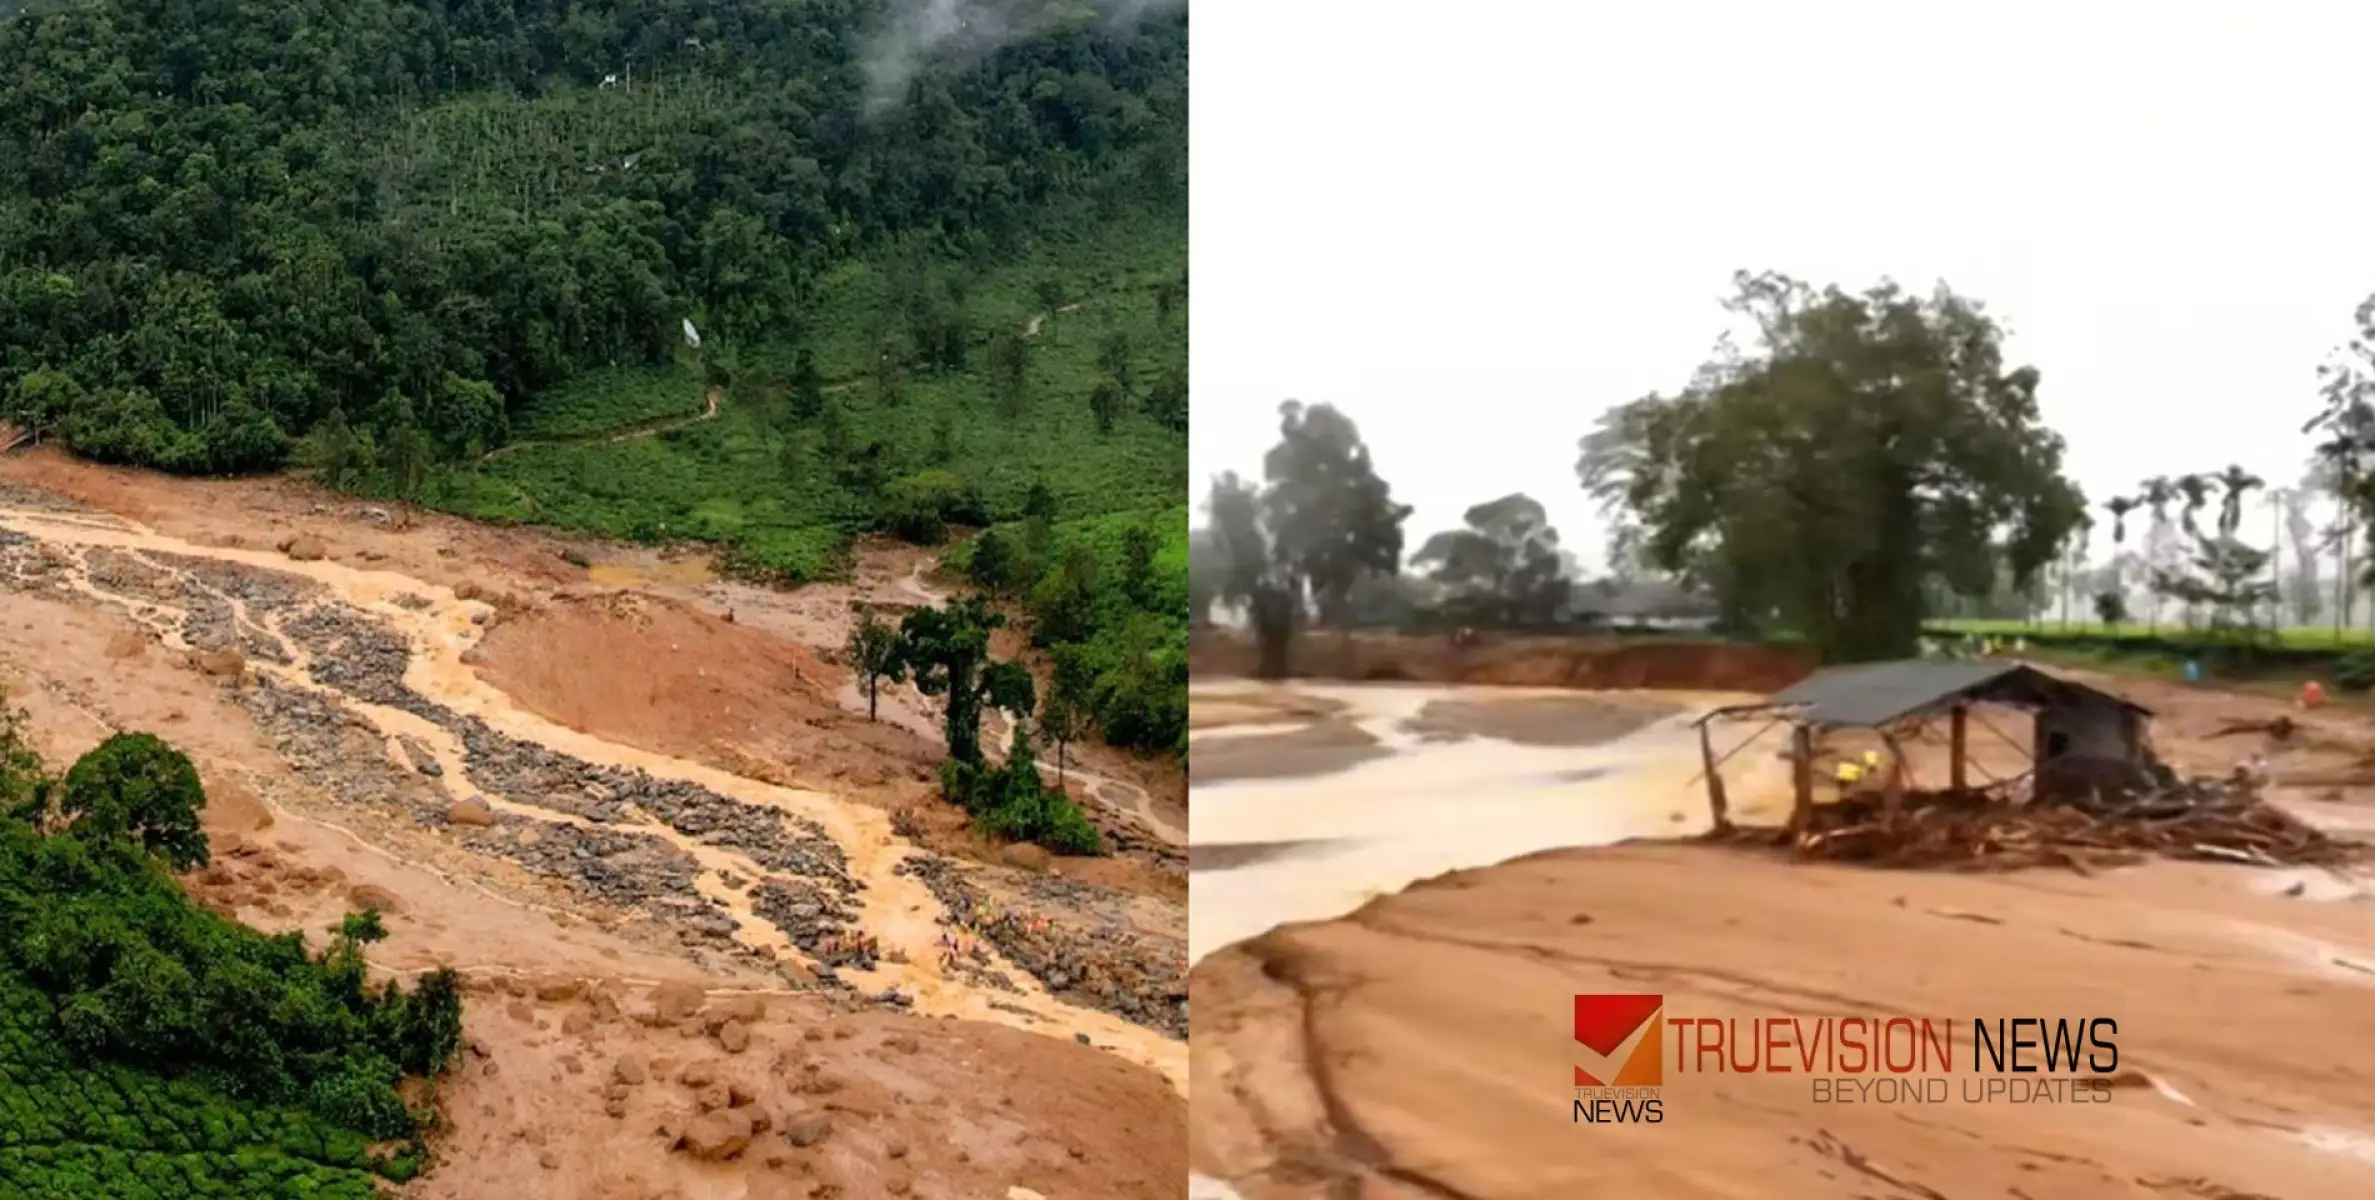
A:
(1386, 958)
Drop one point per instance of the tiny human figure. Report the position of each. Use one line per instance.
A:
(2313, 694)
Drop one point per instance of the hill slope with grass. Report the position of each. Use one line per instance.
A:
(797, 460)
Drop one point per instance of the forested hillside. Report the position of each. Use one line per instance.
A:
(395, 225)
(765, 275)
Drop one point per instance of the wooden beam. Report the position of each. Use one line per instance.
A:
(1715, 781)
(1892, 794)
(1958, 724)
(1802, 768)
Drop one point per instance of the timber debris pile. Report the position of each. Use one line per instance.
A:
(1997, 829)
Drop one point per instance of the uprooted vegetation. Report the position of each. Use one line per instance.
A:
(150, 1047)
(2215, 820)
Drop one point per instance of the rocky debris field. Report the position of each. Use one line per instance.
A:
(343, 758)
(1126, 838)
(1070, 937)
(599, 850)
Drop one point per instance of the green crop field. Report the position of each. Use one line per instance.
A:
(2298, 637)
(73, 1129)
(754, 481)
(152, 1049)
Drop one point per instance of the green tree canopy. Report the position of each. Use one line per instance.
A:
(1867, 445)
(135, 786)
(1332, 518)
(1504, 566)
(948, 650)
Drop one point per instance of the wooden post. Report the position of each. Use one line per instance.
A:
(1715, 781)
(1801, 814)
(1957, 723)
(1892, 790)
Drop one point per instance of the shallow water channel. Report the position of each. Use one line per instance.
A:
(1308, 817)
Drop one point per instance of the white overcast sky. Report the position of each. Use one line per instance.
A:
(1475, 226)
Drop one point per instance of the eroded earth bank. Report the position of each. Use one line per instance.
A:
(700, 902)
(1388, 936)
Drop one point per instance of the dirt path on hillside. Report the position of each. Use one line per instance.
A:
(402, 672)
(624, 433)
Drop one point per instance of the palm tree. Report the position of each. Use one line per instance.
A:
(2119, 507)
(2158, 491)
(2073, 559)
(2237, 483)
(2196, 491)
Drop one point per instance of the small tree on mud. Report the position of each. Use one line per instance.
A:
(876, 655)
(1014, 803)
(1064, 711)
(948, 649)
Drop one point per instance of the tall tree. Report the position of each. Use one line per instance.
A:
(2157, 493)
(2345, 425)
(2194, 490)
(1064, 710)
(1250, 573)
(1868, 445)
(2234, 484)
(948, 649)
(876, 656)
(2115, 600)
(2305, 593)
(1332, 518)
(1504, 566)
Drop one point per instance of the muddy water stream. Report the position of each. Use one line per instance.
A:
(897, 909)
(1272, 851)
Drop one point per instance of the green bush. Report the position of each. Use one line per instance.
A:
(1012, 802)
(920, 507)
(2355, 671)
(151, 1048)
(135, 786)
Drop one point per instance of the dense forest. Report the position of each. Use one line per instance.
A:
(765, 275)
(222, 223)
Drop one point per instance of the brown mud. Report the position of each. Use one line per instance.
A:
(651, 883)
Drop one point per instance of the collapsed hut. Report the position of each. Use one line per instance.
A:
(2077, 739)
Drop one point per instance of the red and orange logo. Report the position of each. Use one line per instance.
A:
(1606, 1025)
